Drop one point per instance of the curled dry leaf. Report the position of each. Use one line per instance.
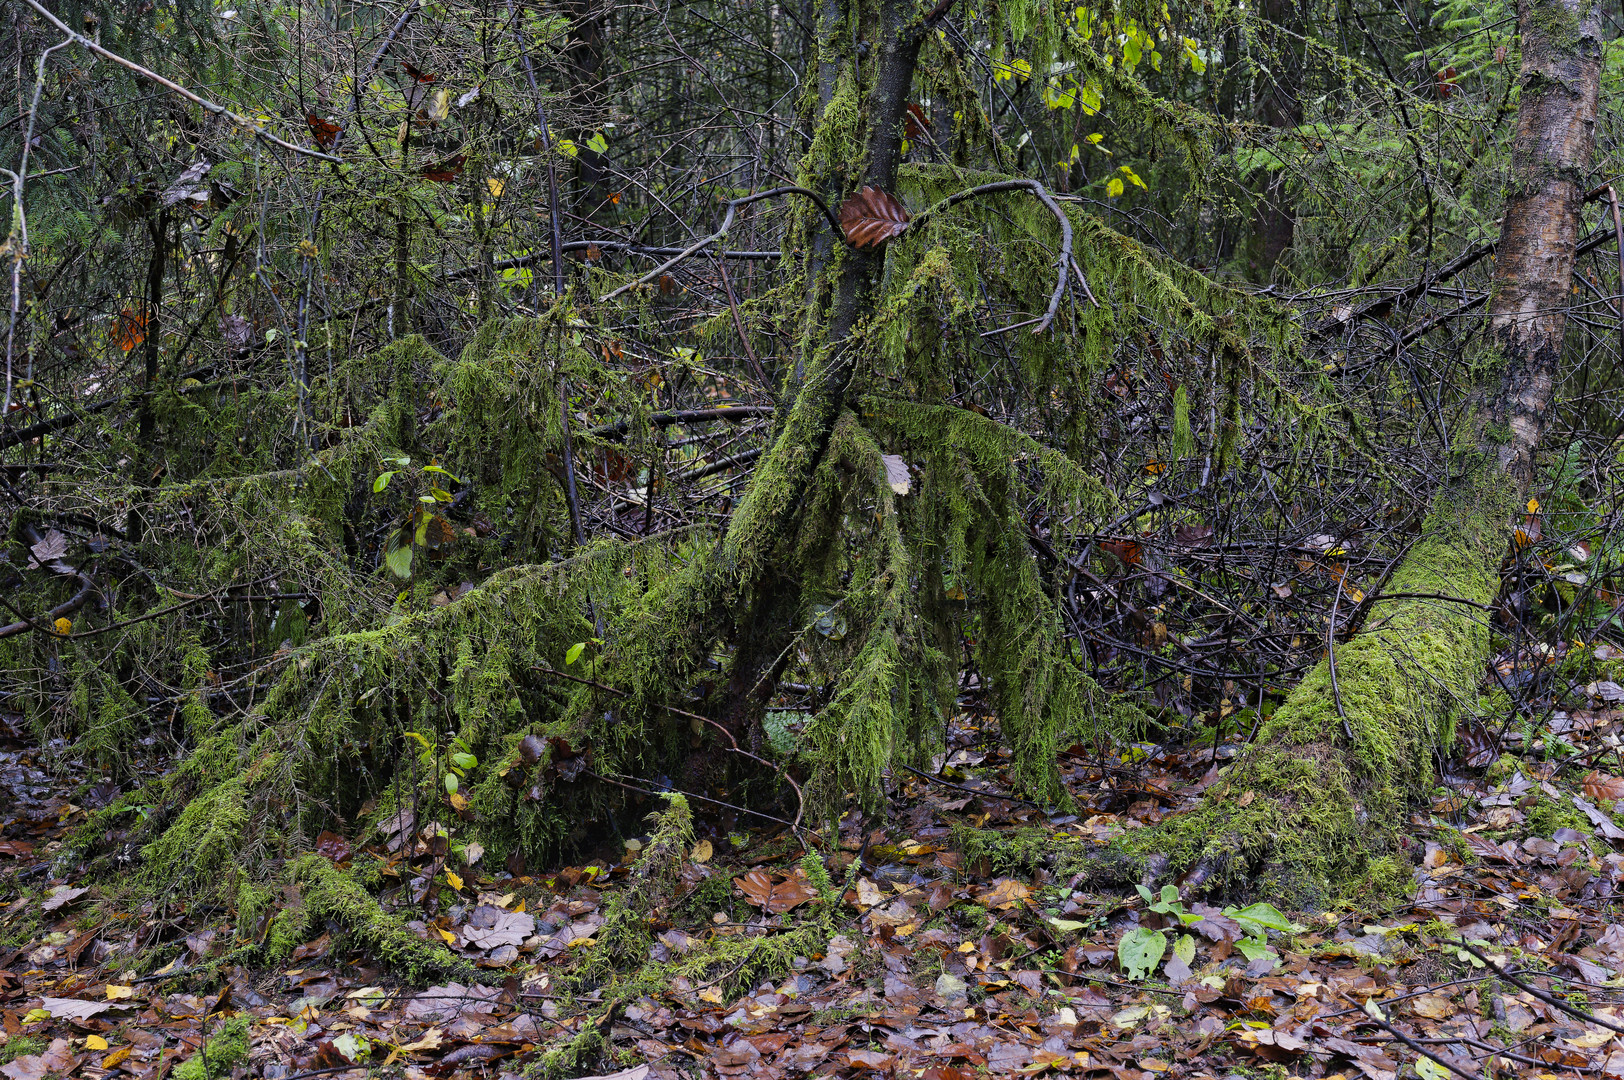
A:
(871, 217)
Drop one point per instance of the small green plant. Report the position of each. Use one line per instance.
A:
(1141, 950)
(423, 527)
(460, 762)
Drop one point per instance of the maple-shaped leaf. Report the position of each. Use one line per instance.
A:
(324, 131)
(871, 217)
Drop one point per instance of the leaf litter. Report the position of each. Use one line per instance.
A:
(958, 950)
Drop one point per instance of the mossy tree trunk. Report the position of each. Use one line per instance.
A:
(1316, 804)
(868, 98)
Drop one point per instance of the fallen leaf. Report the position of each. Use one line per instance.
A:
(61, 896)
(490, 927)
(73, 1008)
(1005, 894)
(775, 897)
(56, 1059)
(1599, 786)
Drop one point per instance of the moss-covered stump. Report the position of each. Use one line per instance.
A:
(1313, 809)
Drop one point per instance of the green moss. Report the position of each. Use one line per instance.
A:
(19, 1046)
(330, 893)
(1020, 852)
(1503, 769)
(221, 1052)
(1546, 816)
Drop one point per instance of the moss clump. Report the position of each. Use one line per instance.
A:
(219, 1054)
(1504, 768)
(1546, 816)
(1016, 852)
(20, 1045)
(327, 892)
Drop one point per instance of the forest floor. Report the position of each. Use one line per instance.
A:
(958, 949)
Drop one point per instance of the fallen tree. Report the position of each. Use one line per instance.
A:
(1315, 806)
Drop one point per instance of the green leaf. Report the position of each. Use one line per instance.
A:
(1254, 947)
(574, 653)
(397, 555)
(1428, 1069)
(382, 481)
(1140, 951)
(450, 783)
(1067, 926)
(1256, 918)
(1184, 949)
(442, 472)
(464, 761)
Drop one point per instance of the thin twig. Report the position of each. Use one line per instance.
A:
(1549, 999)
(727, 223)
(967, 790)
(252, 127)
(1063, 264)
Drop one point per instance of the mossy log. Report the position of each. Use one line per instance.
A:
(1316, 804)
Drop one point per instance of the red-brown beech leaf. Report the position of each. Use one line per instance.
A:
(772, 896)
(871, 217)
(1599, 786)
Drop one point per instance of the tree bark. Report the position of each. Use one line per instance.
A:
(1533, 268)
(766, 526)
(1314, 807)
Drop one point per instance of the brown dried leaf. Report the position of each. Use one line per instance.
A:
(871, 217)
(1599, 786)
(775, 897)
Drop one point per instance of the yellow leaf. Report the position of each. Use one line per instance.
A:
(496, 185)
(454, 880)
(450, 938)
(64, 626)
(1533, 506)
(1113, 187)
(702, 852)
(308, 250)
(116, 1058)
(95, 1042)
(119, 993)
(460, 802)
